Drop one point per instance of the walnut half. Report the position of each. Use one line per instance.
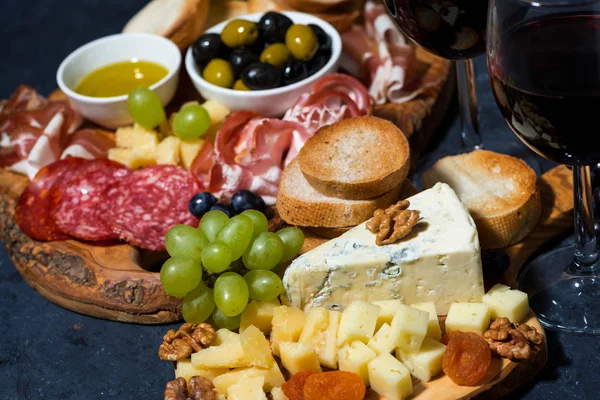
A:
(394, 223)
(189, 338)
(200, 388)
(512, 341)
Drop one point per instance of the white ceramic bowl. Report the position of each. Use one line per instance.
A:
(111, 112)
(270, 102)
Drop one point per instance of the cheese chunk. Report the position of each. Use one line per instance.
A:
(136, 137)
(132, 158)
(355, 357)
(438, 261)
(426, 363)
(287, 326)
(389, 377)
(259, 314)
(224, 381)
(274, 378)
(220, 396)
(167, 151)
(224, 335)
(433, 329)
(256, 346)
(278, 394)
(296, 357)
(409, 328)
(320, 331)
(468, 317)
(188, 150)
(186, 370)
(357, 323)
(504, 302)
(387, 311)
(382, 341)
(230, 354)
(247, 389)
(216, 110)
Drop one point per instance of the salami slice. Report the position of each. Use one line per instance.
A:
(77, 194)
(142, 207)
(33, 208)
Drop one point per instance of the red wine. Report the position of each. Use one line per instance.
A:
(453, 29)
(546, 81)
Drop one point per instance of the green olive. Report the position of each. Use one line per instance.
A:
(276, 54)
(218, 72)
(239, 85)
(301, 42)
(239, 32)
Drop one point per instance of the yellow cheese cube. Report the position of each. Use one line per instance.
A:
(287, 326)
(433, 329)
(224, 381)
(256, 346)
(259, 314)
(504, 302)
(136, 137)
(387, 311)
(186, 370)
(247, 389)
(389, 378)
(328, 352)
(230, 354)
(468, 317)
(355, 357)
(409, 327)
(382, 341)
(217, 111)
(320, 331)
(426, 363)
(167, 151)
(224, 335)
(278, 394)
(188, 150)
(357, 323)
(132, 158)
(273, 378)
(296, 357)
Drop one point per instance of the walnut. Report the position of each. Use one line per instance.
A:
(200, 388)
(512, 341)
(176, 390)
(397, 219)
(190, 338)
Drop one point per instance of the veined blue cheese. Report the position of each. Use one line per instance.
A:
(438, 261)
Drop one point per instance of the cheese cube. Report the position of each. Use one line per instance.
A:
(357, 323)
(433, 329)
(382, 342)
(504, 302)
(256, 346)
(278, 394)
(186, 370)
(387, 311)
(320, 331)
(468, 317)
(224, 335)
(132, 158)
(296, 357)
(287, 326)
(216, 110)
(389, 377)
(426, 363)
(167, 151)
(247, 389)
(355, 357)
(409, 327)
(328, 352)
(274, 378)
(259, 314)
(188, 150)
(224, 381)
(136, 137)
(230, 354)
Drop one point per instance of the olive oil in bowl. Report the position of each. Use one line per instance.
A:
(120, 78)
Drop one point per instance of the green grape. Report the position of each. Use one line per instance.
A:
(212, 223)
(231, 294)
(216, 257)
(198, 304)
(185, 241)
(293, 239)
(178, 295)
(180, 275)
(191, 122)
(145, 108)
(264, 252)
(237, 234)
(263, 285)
(225, 322)
(261, 224)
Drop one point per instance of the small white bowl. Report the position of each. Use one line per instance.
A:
(112, 112)
(269, 102)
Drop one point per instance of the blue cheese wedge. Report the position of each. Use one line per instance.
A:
(439, 261)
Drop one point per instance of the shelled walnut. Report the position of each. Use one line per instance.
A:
(512, 341)
(188, 339)
(199, 388)
(393, 223)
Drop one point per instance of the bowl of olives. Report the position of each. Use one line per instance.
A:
(263, 62)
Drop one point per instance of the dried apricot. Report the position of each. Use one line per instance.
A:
(467, 358)
(334, 385)
(294, 388)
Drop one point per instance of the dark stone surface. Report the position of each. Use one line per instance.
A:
(47, 352)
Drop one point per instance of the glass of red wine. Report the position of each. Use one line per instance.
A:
(544, 68)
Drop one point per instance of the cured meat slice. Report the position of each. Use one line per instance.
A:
(143, 206)
(33, 208)
(77, 194)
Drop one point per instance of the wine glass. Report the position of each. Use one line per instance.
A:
(544, 68)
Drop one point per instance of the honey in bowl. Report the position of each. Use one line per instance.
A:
(120, 78)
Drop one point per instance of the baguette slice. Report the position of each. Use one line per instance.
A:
(298, 203)
(500, 192)
(357, 158)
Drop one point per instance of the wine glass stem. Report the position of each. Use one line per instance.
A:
(467, 101)
(586, 247)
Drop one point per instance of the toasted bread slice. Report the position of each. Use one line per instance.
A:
(222, 10)
(311, 6)
(500, 192)
(357, 158)
(298, 203)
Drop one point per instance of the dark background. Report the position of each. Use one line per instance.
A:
(47, 352)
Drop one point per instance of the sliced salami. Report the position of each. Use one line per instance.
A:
(142, 207)
(33, 208)
(77, 194)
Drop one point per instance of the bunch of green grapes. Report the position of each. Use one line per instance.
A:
(226, 262)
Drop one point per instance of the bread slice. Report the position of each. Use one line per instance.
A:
(357, 158)
(222, 10)
(500, 192)
(298, 203)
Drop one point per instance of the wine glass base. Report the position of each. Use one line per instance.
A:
(562, 302)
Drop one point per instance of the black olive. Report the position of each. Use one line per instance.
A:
(323, 38)
(273, 26)
(293, 71)
(318, 62)
(260, 76)
(207, 47)
(240, 58)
